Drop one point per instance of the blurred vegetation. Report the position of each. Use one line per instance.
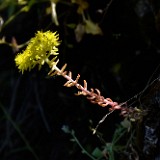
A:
(115, 46)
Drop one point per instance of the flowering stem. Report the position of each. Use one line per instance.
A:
(94, 97)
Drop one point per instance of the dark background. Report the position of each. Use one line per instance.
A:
(119, 63)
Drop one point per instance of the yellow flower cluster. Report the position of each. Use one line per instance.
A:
(41, 49)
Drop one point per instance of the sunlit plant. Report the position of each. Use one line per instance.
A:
(43, 49)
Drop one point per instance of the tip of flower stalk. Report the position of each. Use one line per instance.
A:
(39, 51)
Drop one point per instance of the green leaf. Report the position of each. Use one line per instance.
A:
(71, 25)
(97, 153)
(72, 140)
(126, 124)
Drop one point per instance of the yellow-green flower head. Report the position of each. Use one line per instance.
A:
(42, 48)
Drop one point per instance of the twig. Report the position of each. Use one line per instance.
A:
(101, 121)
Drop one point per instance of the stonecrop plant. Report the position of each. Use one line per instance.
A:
(43, 49)
(39, 51)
